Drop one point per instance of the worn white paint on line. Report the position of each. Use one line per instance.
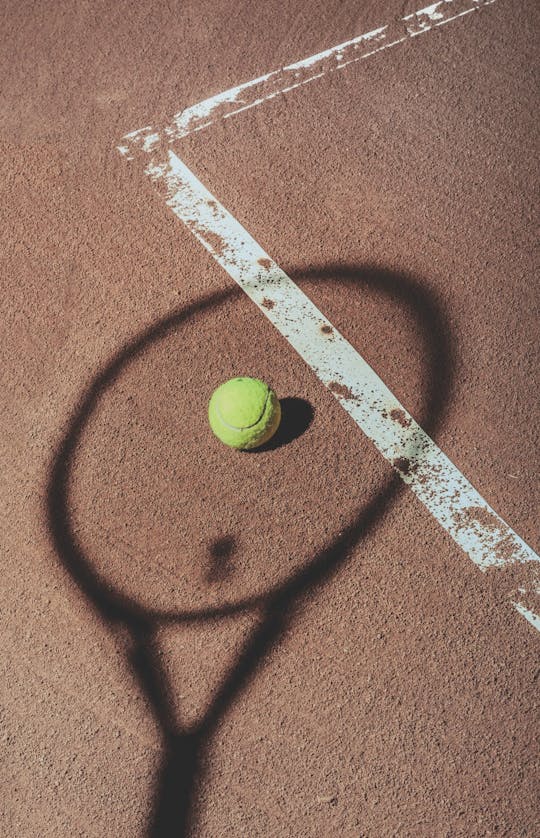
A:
(446, 493)
(266, 87)
(435, 480)
(533, 619)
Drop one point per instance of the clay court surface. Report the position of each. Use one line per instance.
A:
(200, 642)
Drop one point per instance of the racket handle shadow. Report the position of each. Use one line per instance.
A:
(175, 789)
(172, 815)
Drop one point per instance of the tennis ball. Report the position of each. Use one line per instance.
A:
(244, 413)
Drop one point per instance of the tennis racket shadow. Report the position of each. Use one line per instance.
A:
(174, 810)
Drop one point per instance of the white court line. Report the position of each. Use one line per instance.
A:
(534, 619)
(259, 90)
(441, 487)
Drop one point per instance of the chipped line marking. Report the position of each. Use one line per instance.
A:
(435, 480)
(534, 619)
(264, 88)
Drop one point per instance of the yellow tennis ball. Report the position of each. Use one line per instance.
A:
(244, 413)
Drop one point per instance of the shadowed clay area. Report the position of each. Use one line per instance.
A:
(296, 417)
(174, 811)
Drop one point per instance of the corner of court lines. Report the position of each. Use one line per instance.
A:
(447, 495)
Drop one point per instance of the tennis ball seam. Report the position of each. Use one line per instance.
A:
(244, 427)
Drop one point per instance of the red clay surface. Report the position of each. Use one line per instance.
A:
(389, 688)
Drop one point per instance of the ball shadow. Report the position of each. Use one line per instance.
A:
(296, 417)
